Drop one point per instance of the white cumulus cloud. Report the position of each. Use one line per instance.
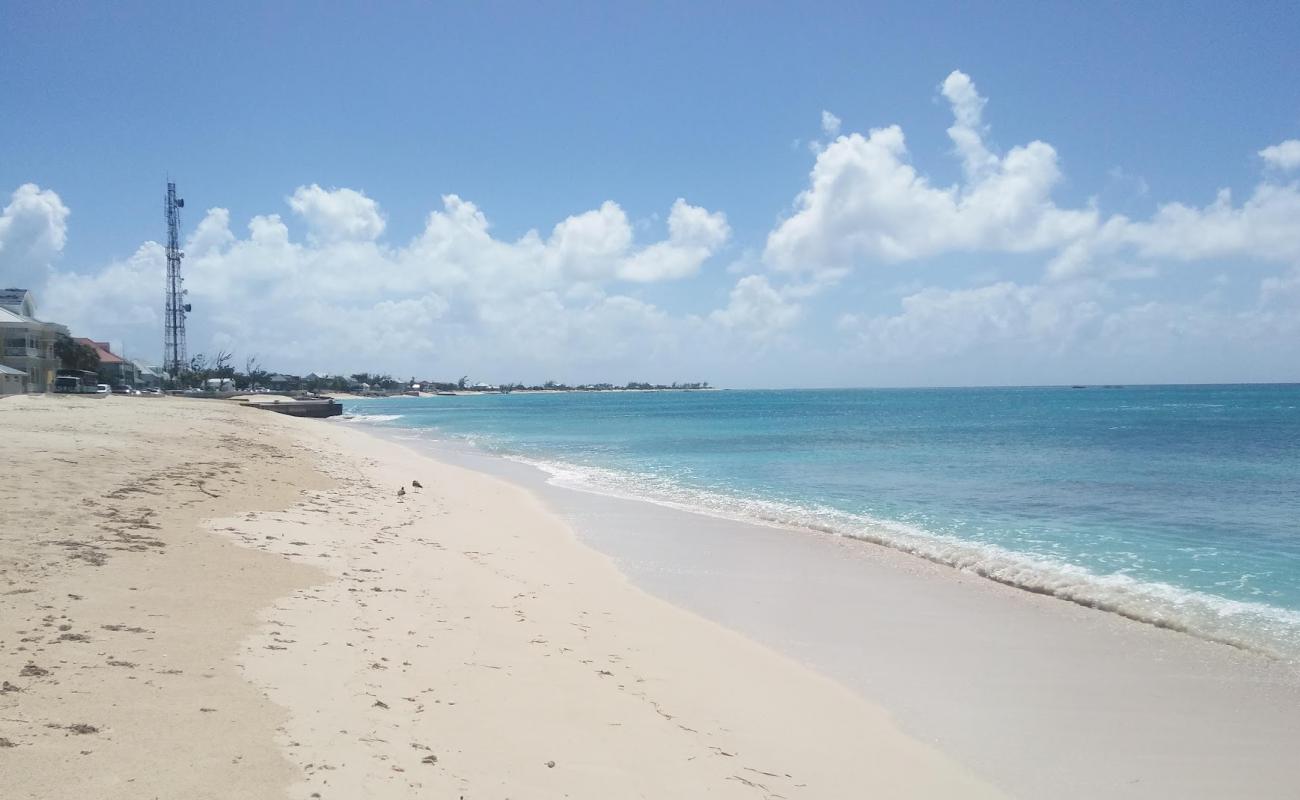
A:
(757, 309)
(694, 234)
(830, 124)
(942, 323)
(1262, 228)
(867, 203)
(968, 129)
(590, 246)
(122, 297)
(338, 214)
(454, 293)
(211, 234)
(1081, 331)
(33, 231)
(569, 300)
(1284, 155)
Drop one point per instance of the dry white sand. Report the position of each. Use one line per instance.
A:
(320, 636)
(120, 617)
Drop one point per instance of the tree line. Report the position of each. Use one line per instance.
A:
(202, 368)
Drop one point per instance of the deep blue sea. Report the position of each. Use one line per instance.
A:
(1177, 505)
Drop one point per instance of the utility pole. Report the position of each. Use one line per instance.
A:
(175, 359)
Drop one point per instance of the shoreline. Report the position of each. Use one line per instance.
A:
(1136, 601)
(1256, 628)
(556, 660)
(490, 392)
(338, 640)
(1091, 687)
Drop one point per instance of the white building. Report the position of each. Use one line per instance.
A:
(12, 381)
(26, 343)
(147, 376)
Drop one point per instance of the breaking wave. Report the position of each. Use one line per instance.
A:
(1253, 626)
(370, 418)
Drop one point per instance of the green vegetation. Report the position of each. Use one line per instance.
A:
(75, 355)
(254, 376)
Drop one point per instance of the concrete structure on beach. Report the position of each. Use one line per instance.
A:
(26, 343)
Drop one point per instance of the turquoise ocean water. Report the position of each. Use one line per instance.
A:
(1177, 505)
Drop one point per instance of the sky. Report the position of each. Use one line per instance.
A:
(756, 195)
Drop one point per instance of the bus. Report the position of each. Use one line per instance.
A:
(76, 381)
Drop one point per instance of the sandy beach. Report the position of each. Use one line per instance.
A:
(199, 599)
(1042, 696)
(818, 401)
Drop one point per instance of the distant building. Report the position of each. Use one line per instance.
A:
(12, 381)
(283, 383)
(316, 382)
(147, 377)
(113, 369)
(26, 343)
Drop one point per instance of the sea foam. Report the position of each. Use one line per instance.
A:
(371, 418)
(1155, 504)
(1258, 627)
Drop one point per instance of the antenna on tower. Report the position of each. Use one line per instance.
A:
(175, 359)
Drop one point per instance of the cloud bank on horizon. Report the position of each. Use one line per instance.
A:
(573, 302)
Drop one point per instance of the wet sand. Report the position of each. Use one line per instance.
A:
(1041, 696)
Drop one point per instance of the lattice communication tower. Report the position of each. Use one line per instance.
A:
(175, 359)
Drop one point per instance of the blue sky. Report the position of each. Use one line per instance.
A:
(537, 113)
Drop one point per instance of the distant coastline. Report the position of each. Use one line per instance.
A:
(521, 390)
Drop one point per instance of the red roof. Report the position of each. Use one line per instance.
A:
(106, 356)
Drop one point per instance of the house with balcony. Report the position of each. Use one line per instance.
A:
(27, 343)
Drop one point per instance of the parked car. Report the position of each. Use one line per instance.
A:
(103, 388)
(121, 388)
